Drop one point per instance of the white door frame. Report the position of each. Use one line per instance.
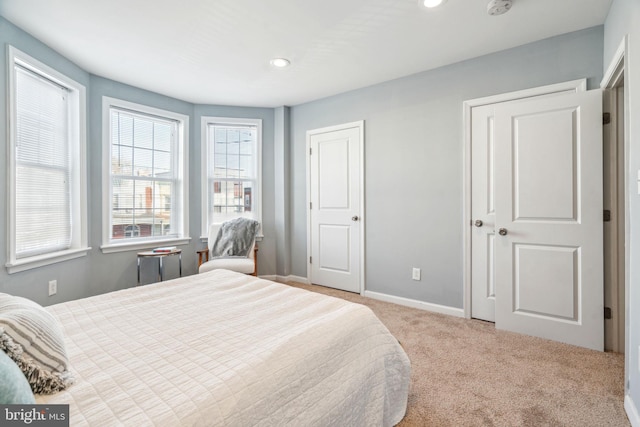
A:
(362, 215)
(612, 78)
(570, 86)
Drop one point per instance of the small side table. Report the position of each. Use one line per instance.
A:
(160, 256)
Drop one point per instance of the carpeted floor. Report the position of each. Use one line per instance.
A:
(466, 373)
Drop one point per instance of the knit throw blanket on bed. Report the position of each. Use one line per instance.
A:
(235, 238)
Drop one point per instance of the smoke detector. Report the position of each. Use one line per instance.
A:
(498, 7)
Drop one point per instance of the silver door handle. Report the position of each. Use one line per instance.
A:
(355, 218)
(502, 231)
(478, 223)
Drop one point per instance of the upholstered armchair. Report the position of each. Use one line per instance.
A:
(242, 264)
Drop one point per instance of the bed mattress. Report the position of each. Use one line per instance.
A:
(222, 348)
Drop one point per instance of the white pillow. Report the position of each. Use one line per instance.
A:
(32, 337)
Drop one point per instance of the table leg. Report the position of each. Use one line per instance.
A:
(161, 267)
(180, 263)
(138, 271)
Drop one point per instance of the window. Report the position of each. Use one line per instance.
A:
(145, 164)
(47, 165)
(231, 153)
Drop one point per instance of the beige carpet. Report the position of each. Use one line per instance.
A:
(466, 373)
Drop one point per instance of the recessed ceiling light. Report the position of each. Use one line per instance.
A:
(280, 62)
(433, 3)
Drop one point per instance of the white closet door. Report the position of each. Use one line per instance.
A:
(548, 218)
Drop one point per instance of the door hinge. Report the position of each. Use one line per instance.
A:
(310, 260)
(606, 215)
(606, 118)
(310, 205)
(607, 313)
(310, 150)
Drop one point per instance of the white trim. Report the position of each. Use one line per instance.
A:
(421, 305)
(205, 121)
(632, 411)
(579, 85)
(46, 259)
(619, 68)
(612, 79)
(138, 245)
(78, 122)
(360, 126)
(616, 67)
(182, 120)
(292, 278)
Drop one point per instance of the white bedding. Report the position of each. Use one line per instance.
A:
(221, 348)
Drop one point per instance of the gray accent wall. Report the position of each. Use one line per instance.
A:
(414, 159)
(624, 19)
(282, 189)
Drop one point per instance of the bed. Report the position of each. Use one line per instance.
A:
(223, 348)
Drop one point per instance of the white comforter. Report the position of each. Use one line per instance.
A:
(221, 348)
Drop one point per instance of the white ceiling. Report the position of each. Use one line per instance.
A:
(218, 51)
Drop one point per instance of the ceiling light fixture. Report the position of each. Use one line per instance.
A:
(432, 3)
(498, 7)
(280, 62)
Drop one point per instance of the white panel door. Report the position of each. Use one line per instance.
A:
(548, 218)
(483, 212)
(335, 211)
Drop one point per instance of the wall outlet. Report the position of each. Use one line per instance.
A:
(415, 275)
(53, 287)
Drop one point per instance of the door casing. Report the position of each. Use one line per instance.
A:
(615, 76)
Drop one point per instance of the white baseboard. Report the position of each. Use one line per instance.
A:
(421, 305)
(632, 411)
(292, 278)
(271, 277)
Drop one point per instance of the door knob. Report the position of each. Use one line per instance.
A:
(478, 223)
(502, 231)
(355, 218)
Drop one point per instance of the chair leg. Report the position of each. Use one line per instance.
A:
(255, 260)
(203, 254)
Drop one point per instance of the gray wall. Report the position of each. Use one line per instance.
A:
(624, 18)
(97, 272)
(414, 159)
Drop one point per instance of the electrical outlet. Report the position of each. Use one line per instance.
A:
(415, 275)
(53, 287)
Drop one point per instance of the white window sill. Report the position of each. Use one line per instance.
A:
(147, 244)
(45, 259)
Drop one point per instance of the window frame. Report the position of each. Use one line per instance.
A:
(77, 102)
(110, 245)
(206, 121)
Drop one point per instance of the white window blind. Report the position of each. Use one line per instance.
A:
(43, 166)
(145, 177)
